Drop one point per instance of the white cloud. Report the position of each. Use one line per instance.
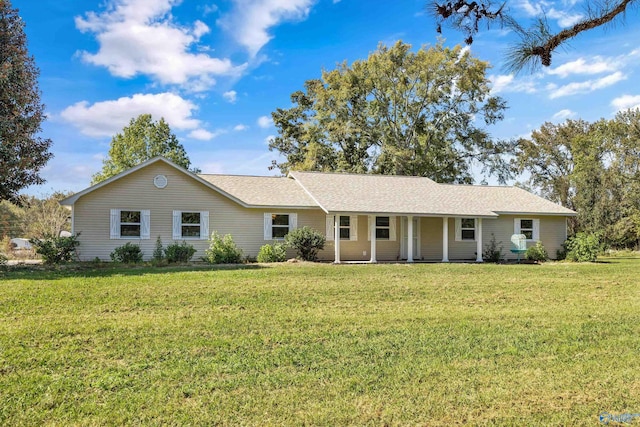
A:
(250, 21)
(269, 138)
(204, 135)
(265, 122)
(240, 127)
(564, 114)
(107, 118)
(535, 9)
(586, 86)
(230, 96)
(626, 102)
(507, 83)
(140, 37)
(581, 66)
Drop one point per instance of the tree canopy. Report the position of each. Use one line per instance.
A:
(537, 41)
(142, 140)
(593, 168)
(22, 152)
(397, 112)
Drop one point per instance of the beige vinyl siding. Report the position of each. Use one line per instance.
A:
(136, 192)
(360, 250)
(552, 232)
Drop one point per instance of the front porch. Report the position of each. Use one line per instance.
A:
(385, 238)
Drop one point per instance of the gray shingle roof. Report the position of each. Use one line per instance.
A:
(262, 190)
(420, 196)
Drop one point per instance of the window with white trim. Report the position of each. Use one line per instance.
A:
(465, 229)
(348, 226)
(530, 227)
(383, 228)
(130, 224)
(190, 225)
(278, 225)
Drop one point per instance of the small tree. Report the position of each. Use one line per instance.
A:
(158, 251)
(492, 250)
(306, 241)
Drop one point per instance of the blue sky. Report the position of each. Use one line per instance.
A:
(215, 70)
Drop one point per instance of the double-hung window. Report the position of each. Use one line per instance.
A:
(278, 225)
(348, 227)
(529, 227)
(190, 225)
(465, 229)
(130, 224)
(385, 227)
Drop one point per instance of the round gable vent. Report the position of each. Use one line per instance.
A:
(160, 181)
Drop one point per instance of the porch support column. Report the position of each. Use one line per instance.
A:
(372, 236)
(445, 239)
(479, 240)
(336, 238)
(409, 238)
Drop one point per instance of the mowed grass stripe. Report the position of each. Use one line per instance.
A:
(429, 344)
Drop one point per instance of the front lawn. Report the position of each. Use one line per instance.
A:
(296, 344)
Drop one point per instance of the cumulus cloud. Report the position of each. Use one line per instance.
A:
(250, 21)
(240, 127)
(586, 86)
(564, 114)
(507, 83)
(140, 37)
(230, 96)
(581, 66)
(204, 135)
(626, 102)
(107, 118)
(563, 18)
(265, 122)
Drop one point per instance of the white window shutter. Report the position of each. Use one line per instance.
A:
(516, 226)
(353, 227)
(204, 225)
(536, 229)
(458, 229)
(372, 222)
(392, 228)
(114, 224)
(293, 221)
(330, 233)
(267, 226)
(177, 225)
(145, 224)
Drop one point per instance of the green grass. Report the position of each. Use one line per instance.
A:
(301, 344)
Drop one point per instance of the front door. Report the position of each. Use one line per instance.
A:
(405, 234)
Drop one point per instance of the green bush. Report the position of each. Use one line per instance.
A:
(179, 252)
(583, 247)
(158, 252)
(492, 250)
(272, 253)
(56, 250)
(223, 250)
(127, 254)
(306, 241)
(3, 261)
(536, 253)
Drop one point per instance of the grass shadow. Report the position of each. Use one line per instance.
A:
(89, 269)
